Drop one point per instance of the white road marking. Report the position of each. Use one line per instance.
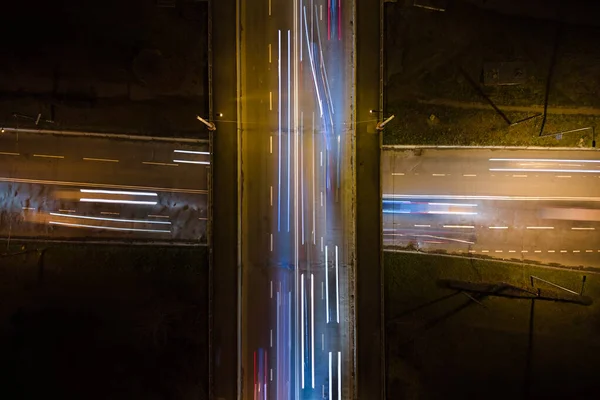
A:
(563, 251)
(5, 153)
(206, 153)
(485, 251)
(270, 47)
(524, 251)
(472, 251)
(537, 251)
(469, 175)
(512, 251)
(519, 176)
(551, 251)
(271, 195)
(497, 251)
(28, 208)
(576, 251)
(575, 228)
(540, 227)
(438, 174)
(47, 156)
(66, 210)
(160, 164)
(100, 159)
(422, 226)
(589, 251)
(397, 173)
(563, 176)
(498, 227)
(271, 242)
(270, 100)
(459, 226)
(192, 162)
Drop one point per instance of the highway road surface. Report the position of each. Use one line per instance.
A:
(297, 237)
(70, 187)
(542, 206)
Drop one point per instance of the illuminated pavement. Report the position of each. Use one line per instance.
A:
(296, 77)
(68, 187)
(528, 205)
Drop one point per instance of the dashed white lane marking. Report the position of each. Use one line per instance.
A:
(512, 251)
(422, 226)
(6, 153)
(563, 176)
(438, 174)
(519, 176)
(397, 173)
(563, 251)
(47, 156)
(575, 251)
(28, 208)
(498, 251)
(537, 251)
(589, 251)
(551, 251)
(109, 213)
(540, 227)
(498, 227)
(469, 175)
(66, 211)
(459, 226)
(485, 251)
(576, 228)
(100, 159)
(524, 251)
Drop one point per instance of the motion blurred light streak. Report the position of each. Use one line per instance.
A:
(110, 201)
(110, 228)
(138, 221)
(120, 192)
(279, 132)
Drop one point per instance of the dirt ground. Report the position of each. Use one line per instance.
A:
(103, 322)
(110, 66)
(441, 344)
(435, 63)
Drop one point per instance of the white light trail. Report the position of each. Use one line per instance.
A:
(453, 204)
(192, 162)
(302, 169)
(330, 376)
(447, 213)
(289, 123)
(339, 375)
(92, 200)
(312, 326)
(279, 133)
(445, 238)
(110, 228)
(139, 221)
(99, 191)
(206, 153)
(322, 59)
(312, 67)
(544, 160)
(326, 285)
(337, 286)
(100, 159)
(313, 181)
(302, 325)
(498, 198)
(582, 171)
(278, 358)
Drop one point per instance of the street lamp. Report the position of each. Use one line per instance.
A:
(210, 125)
(381, 125)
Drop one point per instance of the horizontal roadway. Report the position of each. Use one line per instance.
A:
(75, 187)
(542, 206)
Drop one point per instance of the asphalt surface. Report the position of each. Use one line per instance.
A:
(296, 202)
(542, 206)
(69, 187)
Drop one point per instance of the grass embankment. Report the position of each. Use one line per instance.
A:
(442, 345)
(100, 322)
(435, 64)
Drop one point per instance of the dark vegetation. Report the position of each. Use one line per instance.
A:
(435, 64)
(110, 66)
(444, 344)
(100, 322)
